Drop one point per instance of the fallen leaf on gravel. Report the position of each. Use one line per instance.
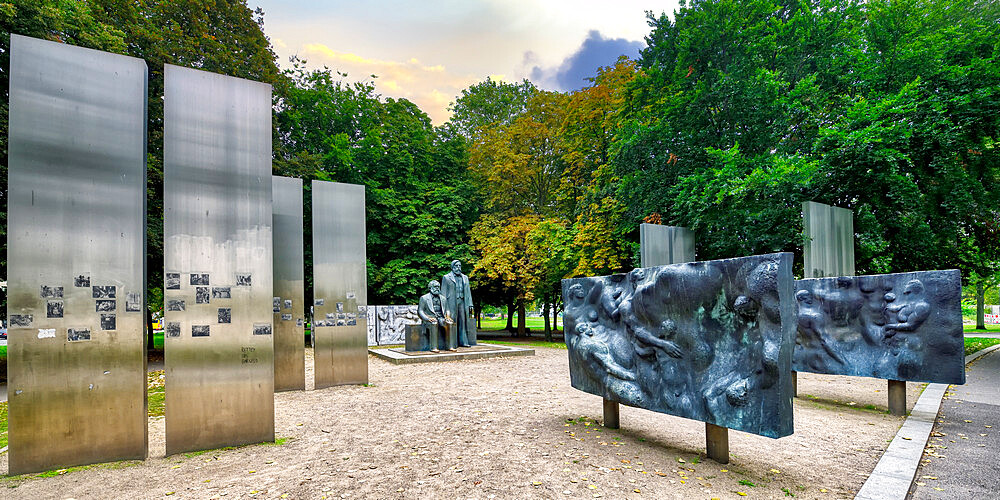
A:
(536, 483)
(968, 421)
(921, 484)
(636, 490)
(822, 490)
(723, 470)
(592, 486)
(775, 471)
(939, 489)
(989, 426)
(169, 493)
(928, 477)
(176, 467)
(908, 439)
(740, 493)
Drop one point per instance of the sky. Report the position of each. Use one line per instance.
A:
(427, 51)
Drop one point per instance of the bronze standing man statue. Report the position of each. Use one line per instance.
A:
(455, 287)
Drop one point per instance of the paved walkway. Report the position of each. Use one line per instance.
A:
(960, 458)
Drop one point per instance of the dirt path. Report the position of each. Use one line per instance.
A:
(500, 428)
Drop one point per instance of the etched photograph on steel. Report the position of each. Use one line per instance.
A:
(319, 302)
(77, 334)
(276, 304)
(105, 305)
(20, 320)
(286, 317)
(200, 330)
(133, 302)
(172, 329)
(81, 281)
(261, 329)
(225, 315)
(709, 341)
(221, 292)
(288, 303)
(175, 305)
(199, 279)
(54, 309)
(109, 322)
(51, 292)
(104, 292)
(905, 326)
(172, 281)
(201, 295)
(243, 279)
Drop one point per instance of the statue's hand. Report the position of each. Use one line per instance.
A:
(432, 321)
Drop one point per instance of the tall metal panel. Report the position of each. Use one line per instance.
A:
(217, 259)
(829, 246)
(76, 250)
(663, 245)
(340, 284)
(289, 285)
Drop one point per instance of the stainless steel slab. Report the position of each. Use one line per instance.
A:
(829, 247)
(77, 227)
(663, 245)
(289, 285)
(340, 285)
(217, 260)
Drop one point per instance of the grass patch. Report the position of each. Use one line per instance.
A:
(971, 328)
(3, 424)
(155, 406)
(3, 351)
(535, 323)
(277, 442)
(974, 344)
(532, 343)
(14, 481)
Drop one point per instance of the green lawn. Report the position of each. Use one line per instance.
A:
(530, 343)
(974, 344)
(499, 324)
(989, 329)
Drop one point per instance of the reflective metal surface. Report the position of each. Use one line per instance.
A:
(340, 284)
(662, 245)
(709, 341)
(76, 250)
(217, 260)
(289, 285)
(829, 246)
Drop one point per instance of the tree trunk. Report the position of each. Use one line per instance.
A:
(510, 317)
(520, 319)
(548, 328)
(555, 317)
(980, 320)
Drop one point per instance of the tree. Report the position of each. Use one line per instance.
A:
(489, 103)
(420, 203)
(889, 108)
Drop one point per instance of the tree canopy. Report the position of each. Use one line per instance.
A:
(734, 113)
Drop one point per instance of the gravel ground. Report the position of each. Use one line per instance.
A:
(500, 428)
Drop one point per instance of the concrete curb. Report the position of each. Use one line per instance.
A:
(896, 469)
